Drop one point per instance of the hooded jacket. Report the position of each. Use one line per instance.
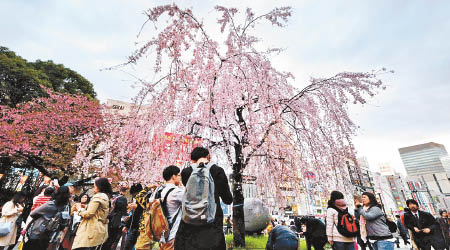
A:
(93, 229)
(332, 220)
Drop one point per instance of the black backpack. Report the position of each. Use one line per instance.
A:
(392, 226)
(347, 224)
(58, 222)
(43, 228)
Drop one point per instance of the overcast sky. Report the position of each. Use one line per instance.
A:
(321, 39)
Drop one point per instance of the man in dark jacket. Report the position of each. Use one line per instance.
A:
(421, 224)
(444, 223)
(282, 238)
(315, 233)
(209, 236)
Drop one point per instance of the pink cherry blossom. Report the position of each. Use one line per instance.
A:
(44, 132)
(229, 94)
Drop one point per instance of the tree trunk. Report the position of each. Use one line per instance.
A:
(238, 200)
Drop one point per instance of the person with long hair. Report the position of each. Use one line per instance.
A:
(71, 231)
(373, 223)
(10, 212)
(37, 238)
(84, 200)
(93, 229)
(337, 204)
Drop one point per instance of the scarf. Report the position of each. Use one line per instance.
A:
(362, 225)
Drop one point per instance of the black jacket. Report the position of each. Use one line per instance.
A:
(426, 220)
(206, 236)
(315, 234)
(439, 242)
(444, 224)
(314, 227)
(119, 209)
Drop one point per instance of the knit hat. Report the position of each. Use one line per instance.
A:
(341, 204)
(335, 195)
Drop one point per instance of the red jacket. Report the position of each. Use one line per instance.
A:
(41, 200)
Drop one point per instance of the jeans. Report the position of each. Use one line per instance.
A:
(286, 244)
(383, 245)
(343, 245)
(131, 238)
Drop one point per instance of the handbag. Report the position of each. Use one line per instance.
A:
(5, 228)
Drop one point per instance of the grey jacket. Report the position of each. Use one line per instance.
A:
(41, 215)
(375, 223)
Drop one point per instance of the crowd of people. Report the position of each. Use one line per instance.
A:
(376, 230)
(367, 227)
(184, 213)
(129, 219)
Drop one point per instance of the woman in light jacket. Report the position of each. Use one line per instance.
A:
(10, 212)
(337, 240)
(372, 218)
(93, 229)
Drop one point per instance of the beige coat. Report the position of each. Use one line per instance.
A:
(10, 214)
(93, 229)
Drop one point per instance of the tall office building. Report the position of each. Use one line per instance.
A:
(430, 164)
(428, 158)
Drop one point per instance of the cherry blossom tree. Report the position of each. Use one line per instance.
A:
(229, 94)
(44, 132)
